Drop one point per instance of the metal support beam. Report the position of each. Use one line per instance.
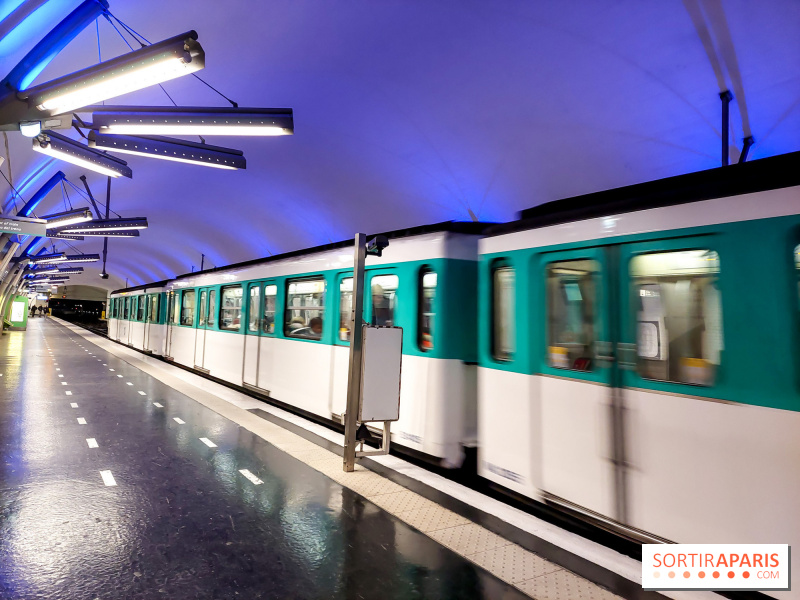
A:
(726, 98)
(105, 239)
(356, 338)
(747, 144)
(91, 197)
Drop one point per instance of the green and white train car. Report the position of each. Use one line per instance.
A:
(280, 327)
(639, 355)
(137, 317)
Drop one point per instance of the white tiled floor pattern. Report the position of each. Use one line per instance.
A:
(526, 571)
(509, 562)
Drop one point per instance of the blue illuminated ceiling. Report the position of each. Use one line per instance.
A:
(410, 112)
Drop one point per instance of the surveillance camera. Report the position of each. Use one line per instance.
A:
(376, 245)
(103, 275)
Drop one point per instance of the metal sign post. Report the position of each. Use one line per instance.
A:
(356, 336)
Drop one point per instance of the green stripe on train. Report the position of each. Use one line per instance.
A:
(455, 306)
(758, 283)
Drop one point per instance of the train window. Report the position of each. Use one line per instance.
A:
(345, 308)
(154, 308)
(175, 307)
(384, 299)
(571, 302)
(212, 308)
(679, 315)
(187, 308)
(425, 317)
(305, 305)
(125, 308)
(503, 313)
(270, 299)
(142, 308)
(230, 310)
(203, 307)
(252, 309)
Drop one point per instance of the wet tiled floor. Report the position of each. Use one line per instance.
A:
(134, 504)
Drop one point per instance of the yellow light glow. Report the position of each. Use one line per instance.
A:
(125, 82)
(203, 129)
(75, 160)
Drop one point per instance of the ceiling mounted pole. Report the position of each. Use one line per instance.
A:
(726, 98)
(105, 239)
(747, 144)
(91, 197)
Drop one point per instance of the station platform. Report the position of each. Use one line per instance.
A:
(122, 476)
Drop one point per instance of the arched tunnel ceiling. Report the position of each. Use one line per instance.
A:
(410, 112)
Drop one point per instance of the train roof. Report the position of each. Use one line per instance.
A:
(465, 227)
(742, 178)
(143, 287)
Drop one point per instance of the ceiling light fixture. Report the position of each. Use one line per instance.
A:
(170, 149)
(70, 270)
(64, 236)
(170, 120)
(48, 258)
(106, 226)
(59, 146)
(82, 258)
(69, 217)
(151, 65)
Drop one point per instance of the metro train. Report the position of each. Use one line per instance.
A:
(630, 356)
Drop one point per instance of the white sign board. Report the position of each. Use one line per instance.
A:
(17, 312)
(380, 374)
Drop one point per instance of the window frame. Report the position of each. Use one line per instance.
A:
(369, 276)
(194, 308)
(496, 265)
(276, 312)
(221, 307)
(628, 354)
(340, 278)
(322, 309)
(254, 285)
(426, 270)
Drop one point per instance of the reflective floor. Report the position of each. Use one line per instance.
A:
(154, 511)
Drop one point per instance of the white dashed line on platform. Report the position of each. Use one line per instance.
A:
(119, 375)
(208, 442)
(178, 420)
(141, 393)
(157, 405)
(68, 393)
(73, 404)
(64, 383)
(129, 383)
(111, 369)
(251, 477)
(58, 369)
(108, 478)
(92, 443)
(81, 421)
(60, 375)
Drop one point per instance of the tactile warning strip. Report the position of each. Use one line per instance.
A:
(531, 574)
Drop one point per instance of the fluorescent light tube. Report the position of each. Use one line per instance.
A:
(106, 226)
(202, 121)
(64, 148)
(69, 217)
(170, 149)
(136, 70)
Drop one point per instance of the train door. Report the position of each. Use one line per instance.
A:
(668, 355)
(252, 337)
(577, 394)
(146, 324)
(173, 309)
(200, 332)
(122, 330)
(132, 318)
